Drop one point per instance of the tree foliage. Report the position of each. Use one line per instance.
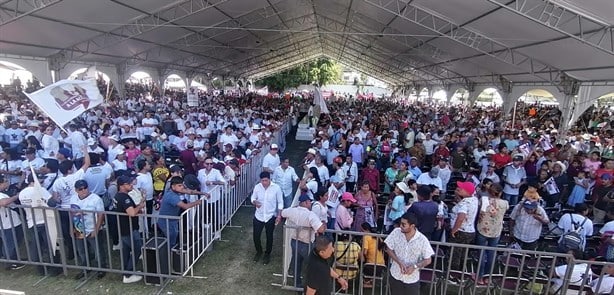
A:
(321, 72)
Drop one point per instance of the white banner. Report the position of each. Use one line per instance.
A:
(318, 99)
(264, 91)
(66, 99)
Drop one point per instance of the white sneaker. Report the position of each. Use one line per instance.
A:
(218, 235)
(132, 279)
(117, 247)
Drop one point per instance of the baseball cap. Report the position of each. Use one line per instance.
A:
(348, 197)
(466, 186)
(303, 198)
(518, 158)
(403, 187)
(434, 172)
(80, 184)
(65, 152)
(274, 146)
(529, 205)
(606, 176)
(311, 151)
(124, 179)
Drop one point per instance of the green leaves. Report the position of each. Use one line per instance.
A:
(322, 72)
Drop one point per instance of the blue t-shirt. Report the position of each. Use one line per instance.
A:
(398, 204)
(169, 203)
(426, 211)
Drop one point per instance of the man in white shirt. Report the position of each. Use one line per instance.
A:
(11, 230)
(577, 221)
(351, 172)
(87, 227)
(514, 176)
(431, 177)
(31, 159)
(271, 160)
(35, 217)
(209, 178)
(409, 251)
(302, 225)
(284, 175)
(77, 143)
(267, 197)
(144, 183)
(228, 137)
(63, 190)
(605, 283)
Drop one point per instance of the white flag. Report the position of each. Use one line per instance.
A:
(318, 100)
(64, 100)
(264, 91)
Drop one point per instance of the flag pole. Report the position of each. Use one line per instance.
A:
(514, 115)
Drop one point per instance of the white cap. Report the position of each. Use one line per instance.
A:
(274, 146)
(154, 134)
(256, 127)
(403, 187)
(311, 151)
(490, 152)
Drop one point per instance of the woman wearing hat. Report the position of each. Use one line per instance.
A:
(463, 220)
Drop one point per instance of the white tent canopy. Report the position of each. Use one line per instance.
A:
(398, 41)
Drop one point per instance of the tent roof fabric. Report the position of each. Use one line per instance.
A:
(401, 42)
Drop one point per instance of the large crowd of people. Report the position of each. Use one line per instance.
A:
(458, 174)
(133, 156)
(416, 171)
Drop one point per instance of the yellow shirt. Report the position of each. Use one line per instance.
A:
(347, 265)
(159, 184)
(372, 255)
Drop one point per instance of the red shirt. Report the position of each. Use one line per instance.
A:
(372, 176)
(599, 172)
(501, 160)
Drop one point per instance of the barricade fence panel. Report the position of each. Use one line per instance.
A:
(452, 270)
(63, 240)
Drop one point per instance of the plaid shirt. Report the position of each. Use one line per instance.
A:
(527, 228)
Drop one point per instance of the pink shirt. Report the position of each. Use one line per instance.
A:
(343, 218)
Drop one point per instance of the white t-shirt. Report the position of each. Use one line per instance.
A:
(88, 219)
(232, 139)
(144, 183)
(9, 218)
(469, 206)
(30, 196)
(213, 175)
(270, 161)
(65, 187)
(576, 278)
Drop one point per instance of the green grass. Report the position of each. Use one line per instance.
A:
(228, 269)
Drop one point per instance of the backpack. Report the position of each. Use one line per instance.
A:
(572, 240)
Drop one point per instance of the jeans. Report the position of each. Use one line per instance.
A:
(39, 242)
(258, 227)
(300, 252)
(131, 250)
(488, 256)
(66, 227)
(11, 238)
(170, 228)
(86, 245)
(511, 199)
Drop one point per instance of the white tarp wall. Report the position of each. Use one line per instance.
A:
(587, 95)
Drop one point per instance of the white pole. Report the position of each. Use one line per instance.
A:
(514, 115)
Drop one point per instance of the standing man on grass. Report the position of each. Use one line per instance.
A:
(268, 199)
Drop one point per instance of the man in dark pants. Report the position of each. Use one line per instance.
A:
(268, 199)
(302, 225)
(319, 269)
(131, 241)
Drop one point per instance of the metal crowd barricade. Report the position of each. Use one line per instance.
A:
(209, 220)
(197, 228)
(450, 272)
(74, 252)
